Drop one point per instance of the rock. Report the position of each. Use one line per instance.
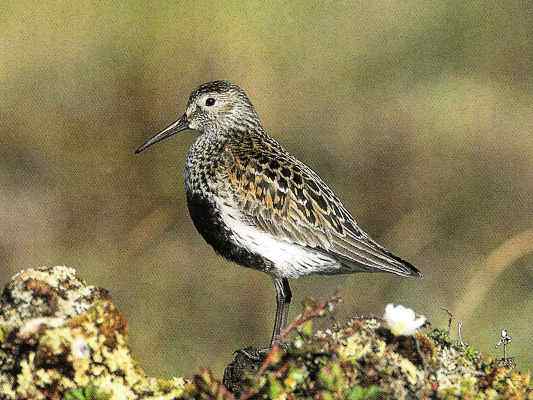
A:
(60, 338)
(362, 359)
(245, 363)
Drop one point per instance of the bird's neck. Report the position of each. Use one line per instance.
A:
(235, 132)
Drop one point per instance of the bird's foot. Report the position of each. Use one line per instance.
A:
(253, 353)
(246, 361)
(258, 354)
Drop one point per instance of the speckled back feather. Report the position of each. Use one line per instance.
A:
(284, 197)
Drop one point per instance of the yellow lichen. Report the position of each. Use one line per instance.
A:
(412, 373)
(355, 347)
(25, 379)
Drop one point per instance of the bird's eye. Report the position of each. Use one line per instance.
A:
(209, 101)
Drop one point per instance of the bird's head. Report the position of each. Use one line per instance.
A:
(214, 107)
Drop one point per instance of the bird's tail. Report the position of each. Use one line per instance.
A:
(366, 255)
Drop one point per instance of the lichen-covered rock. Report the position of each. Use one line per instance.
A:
(362, 359)
(60, 338)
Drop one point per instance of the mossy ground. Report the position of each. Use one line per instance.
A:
(361, 359)
(62, 339)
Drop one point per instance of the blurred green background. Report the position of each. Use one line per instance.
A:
(419, 114)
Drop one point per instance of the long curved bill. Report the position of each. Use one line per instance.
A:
(178, 126)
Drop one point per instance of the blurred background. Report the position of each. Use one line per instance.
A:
(419, 114)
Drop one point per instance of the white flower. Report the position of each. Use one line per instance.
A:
(402, 320)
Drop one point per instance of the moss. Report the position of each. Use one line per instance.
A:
(440, 336)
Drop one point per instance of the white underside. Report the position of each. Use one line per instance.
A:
(289, 260)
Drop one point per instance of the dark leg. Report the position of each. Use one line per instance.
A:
(283, 299)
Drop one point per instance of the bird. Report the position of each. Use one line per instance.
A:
(259, 206)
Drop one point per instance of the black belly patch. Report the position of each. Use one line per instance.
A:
(209, 224)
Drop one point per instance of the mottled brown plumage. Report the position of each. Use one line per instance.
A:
(259, 206)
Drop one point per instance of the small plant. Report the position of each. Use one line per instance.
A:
(450, 319)
(504, 341)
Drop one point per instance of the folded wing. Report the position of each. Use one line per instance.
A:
(282, 196)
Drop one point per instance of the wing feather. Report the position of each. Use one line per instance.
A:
(282, 196)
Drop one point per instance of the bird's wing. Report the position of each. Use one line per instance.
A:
(282, 196)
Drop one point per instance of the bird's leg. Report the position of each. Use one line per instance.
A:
(283, 300)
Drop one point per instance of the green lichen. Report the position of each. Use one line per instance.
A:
(89, 392)
(361, 393)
